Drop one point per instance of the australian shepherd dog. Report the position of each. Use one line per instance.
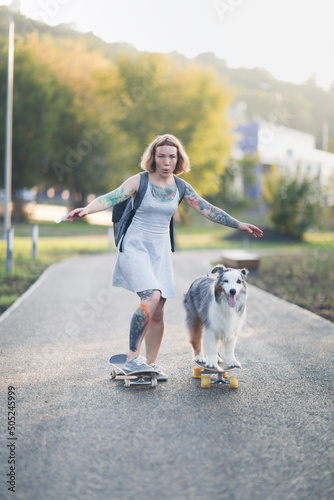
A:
(216, 311)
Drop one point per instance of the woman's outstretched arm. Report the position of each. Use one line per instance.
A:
(122, 193)
(216, 214)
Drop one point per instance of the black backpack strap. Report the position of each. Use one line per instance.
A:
(181, 186)
(142, 190)
(143, 183)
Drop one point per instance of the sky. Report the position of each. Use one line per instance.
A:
(292, 39)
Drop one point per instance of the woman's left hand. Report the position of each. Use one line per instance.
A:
(250, 229)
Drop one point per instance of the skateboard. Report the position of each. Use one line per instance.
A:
(204, 373)
(145, 377)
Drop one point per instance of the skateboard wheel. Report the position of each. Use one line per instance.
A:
(154, 382)
(225, 374)
(197, 372)
(113, 374)
(206, 382)
(127, 382)
(234, 383)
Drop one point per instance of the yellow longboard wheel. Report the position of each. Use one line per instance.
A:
(225, 374)
(206, 382)
(197, 372)
(234, 383)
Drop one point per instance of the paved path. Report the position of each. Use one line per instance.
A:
(82, 436)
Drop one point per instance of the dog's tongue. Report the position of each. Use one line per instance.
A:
(231, 301)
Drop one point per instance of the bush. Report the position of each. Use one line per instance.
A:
(294, 201)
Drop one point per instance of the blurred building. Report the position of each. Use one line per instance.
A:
(286, 148)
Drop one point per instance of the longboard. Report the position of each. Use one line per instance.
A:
(145, 377)
(204, 373)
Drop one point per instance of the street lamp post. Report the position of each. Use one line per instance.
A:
(9, 132)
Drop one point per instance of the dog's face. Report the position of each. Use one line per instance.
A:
(229, 284)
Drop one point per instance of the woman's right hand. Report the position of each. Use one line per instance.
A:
(77, 213)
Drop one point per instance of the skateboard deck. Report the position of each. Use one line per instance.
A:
(145, 377)
(222, 371)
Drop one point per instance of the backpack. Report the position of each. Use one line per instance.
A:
(124, 212)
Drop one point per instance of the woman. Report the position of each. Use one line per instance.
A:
(144, 266)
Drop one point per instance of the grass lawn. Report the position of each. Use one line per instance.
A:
(306, 280)
(56, 242)
(303, 273)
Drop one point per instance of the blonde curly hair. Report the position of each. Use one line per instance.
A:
(148, 158)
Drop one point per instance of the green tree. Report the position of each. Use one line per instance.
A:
(294, 201)
(42, 111)
(82, 121)
(77, 156)
(156, 95)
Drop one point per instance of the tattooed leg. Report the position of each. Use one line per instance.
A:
(145, 294)
(140, 320)
(138, 325)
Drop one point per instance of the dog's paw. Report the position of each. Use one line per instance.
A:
(212, 365)
(233, 362)
(200, 358)
(212, 362)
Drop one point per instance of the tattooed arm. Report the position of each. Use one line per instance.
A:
(127, 189)
(215, 214)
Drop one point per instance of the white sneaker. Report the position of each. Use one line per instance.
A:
(161, 376)
(137, 364)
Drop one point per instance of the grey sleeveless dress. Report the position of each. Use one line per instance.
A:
(145, 262)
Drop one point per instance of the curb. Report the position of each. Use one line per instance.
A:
(29, 291)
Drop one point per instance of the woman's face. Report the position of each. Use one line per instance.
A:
(165, 160)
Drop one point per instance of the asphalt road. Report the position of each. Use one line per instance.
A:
(80, 435)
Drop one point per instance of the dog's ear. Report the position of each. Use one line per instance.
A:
(244, 271)
(218, 269)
